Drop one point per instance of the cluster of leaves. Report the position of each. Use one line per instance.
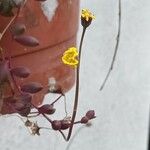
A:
(21, 101)
(21, 97)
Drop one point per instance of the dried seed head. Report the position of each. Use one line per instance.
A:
(35, 128)
(28, 123)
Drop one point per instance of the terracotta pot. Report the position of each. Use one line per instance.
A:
(55, 35)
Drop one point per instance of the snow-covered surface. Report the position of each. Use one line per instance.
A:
(122, 107)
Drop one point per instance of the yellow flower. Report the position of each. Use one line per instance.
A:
(69, 57)
(87, 15)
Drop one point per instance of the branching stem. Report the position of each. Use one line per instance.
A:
(116, 47)
(50, 121)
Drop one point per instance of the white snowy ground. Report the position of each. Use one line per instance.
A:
(122, 107)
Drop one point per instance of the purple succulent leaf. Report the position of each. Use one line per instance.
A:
(32, 87)
(47, 109)
(27, 40)
(90, 114)
(21, 72)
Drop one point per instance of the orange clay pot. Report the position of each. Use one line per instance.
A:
(55, 36)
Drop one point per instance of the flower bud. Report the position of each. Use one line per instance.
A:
(65, 124)
(84, 120)
(56, 124)
(47, 109)
(90, 114)
(86, 18)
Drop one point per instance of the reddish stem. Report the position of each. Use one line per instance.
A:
(56, 100)
(77, 87)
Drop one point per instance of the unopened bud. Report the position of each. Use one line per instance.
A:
(90, 114)
(84, 120)
(56, 125)
(65, 124)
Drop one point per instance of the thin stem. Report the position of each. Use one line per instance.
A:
(116, 47)
(77, 122)
(46, 128)
(148, 141)
(6, 28)
(50, 121)
(47, 118)
(9, 24)
(56, 100)
(42, 113)
(77, 87)
(1, 36)
(66, 113)
(16, 16)
(35, 112)
(1, 97)
(33, 115)
(65, 105)
(15, 83)
(63, 135)
(73, 137)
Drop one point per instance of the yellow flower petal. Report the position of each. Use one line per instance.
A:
(87, 14)
(69, 57)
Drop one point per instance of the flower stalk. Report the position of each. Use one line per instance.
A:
(116, 47)
(77, 86)
(86, 19)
